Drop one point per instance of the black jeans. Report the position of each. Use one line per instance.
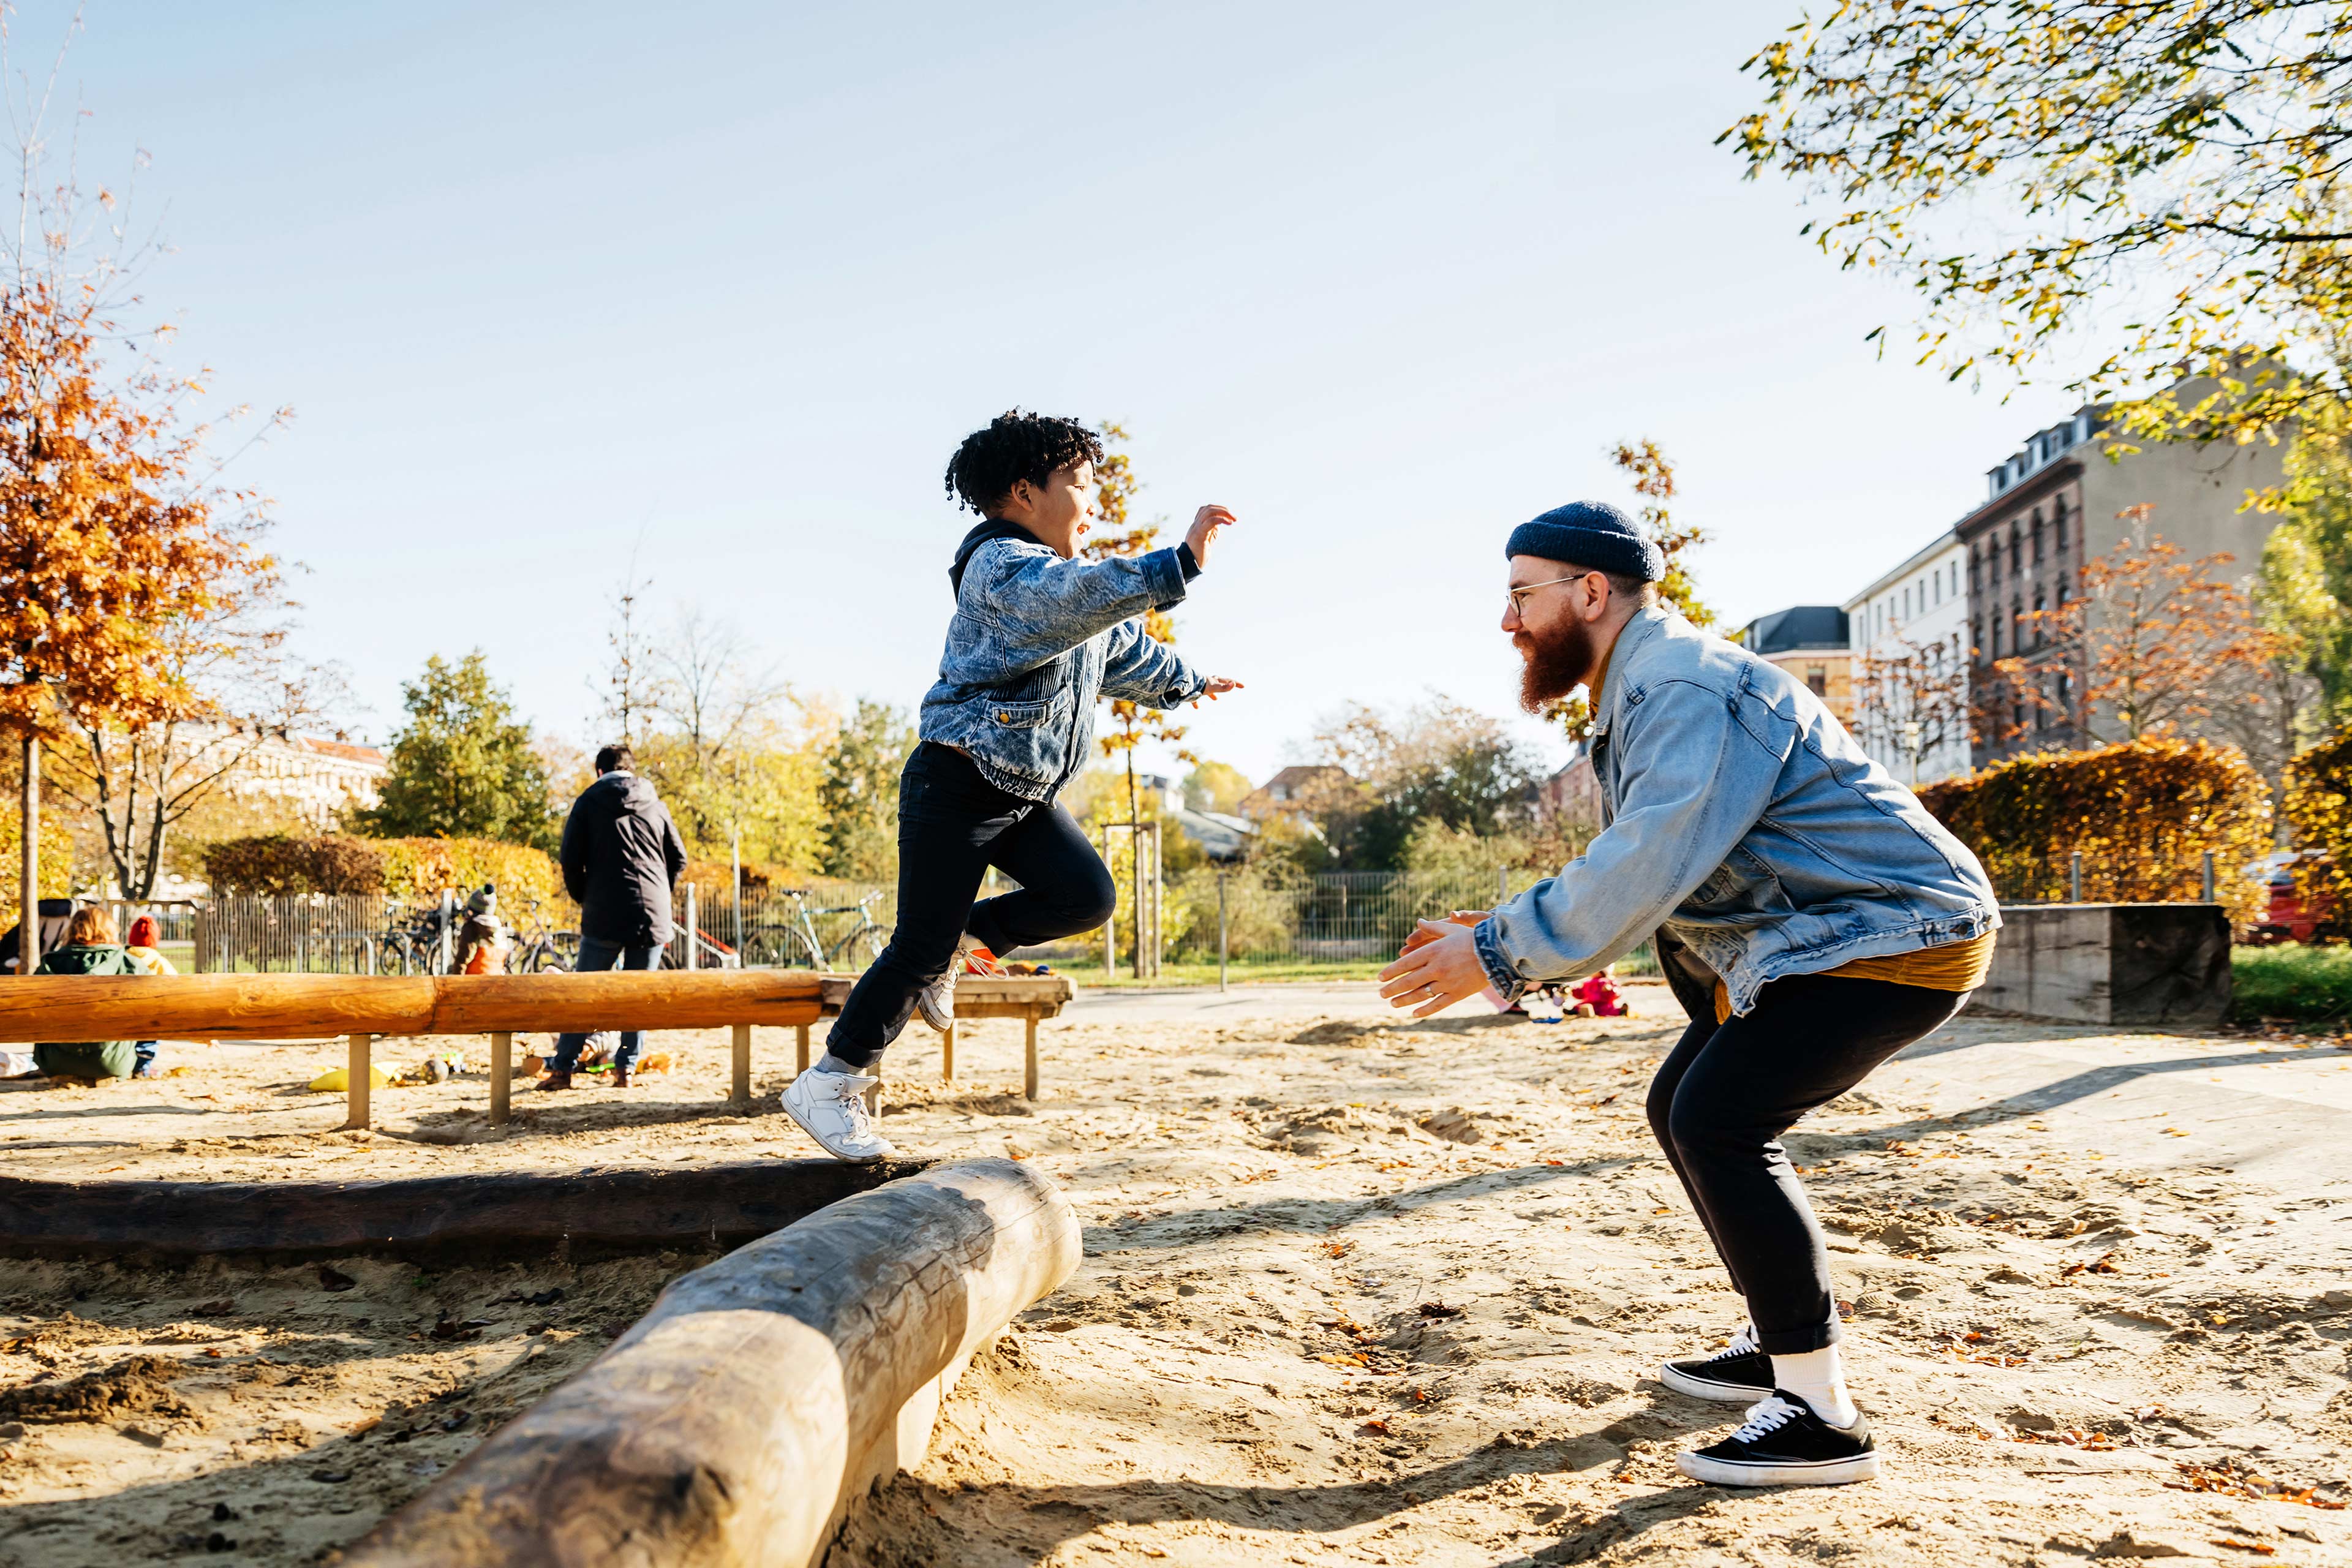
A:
(597, 955)
(953, 825)
(1726, 1094)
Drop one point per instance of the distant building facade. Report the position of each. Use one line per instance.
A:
(321, 778)
(1571, 796)
(1811, 642)
(1909, 631)
(1299, 790)
(2056, 503)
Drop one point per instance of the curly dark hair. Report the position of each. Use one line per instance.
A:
(1017, 446)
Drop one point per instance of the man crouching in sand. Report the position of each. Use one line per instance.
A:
(1812, 918)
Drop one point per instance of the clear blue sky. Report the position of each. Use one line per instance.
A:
(1385, 279)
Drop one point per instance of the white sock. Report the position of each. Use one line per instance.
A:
(831, 1063)
(1817, 1377)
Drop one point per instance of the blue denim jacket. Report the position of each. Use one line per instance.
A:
(1740, 816)
(1035, 642)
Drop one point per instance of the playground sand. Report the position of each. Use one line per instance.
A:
(1355, 1291)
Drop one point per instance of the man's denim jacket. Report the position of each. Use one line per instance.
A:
(1036, 640)
(1739, 815)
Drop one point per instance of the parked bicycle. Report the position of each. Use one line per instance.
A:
(542, 949)
(797, 943)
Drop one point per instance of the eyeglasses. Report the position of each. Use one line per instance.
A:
(1518, 596)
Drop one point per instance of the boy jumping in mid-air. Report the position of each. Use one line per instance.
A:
(1037, 637)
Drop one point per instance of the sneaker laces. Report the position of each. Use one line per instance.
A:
(1742, 1343)
(1766, 1418)
(851, 1093)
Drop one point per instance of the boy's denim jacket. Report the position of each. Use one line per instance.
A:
(1036, 640)
(1739, 815)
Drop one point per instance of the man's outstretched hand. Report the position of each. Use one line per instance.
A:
(1207, 524)
(1438, 967)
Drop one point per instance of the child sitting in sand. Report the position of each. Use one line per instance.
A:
(1037, 637)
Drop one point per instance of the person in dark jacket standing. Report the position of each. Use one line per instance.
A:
(621, 856)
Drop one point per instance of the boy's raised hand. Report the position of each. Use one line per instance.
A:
(1218, 685)
(1206, 523)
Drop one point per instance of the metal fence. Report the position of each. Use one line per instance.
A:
(1337, 921)
(2106, 877)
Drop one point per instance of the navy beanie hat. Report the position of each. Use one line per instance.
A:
(1590, 533)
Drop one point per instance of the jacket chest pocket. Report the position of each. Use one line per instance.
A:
(1020, 715)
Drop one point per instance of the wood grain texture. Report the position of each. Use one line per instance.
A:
(980, 995)
(734, 1422)
(307, 1006)
(492, 1218)
(623, 999)
(207, 1006)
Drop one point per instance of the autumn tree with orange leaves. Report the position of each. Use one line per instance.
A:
(2154, 644)
(1116, 534)
(121, 557)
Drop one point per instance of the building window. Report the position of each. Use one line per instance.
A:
(2016, 547)
(2038, 608)
(2061, 520)
(1817, 677)
(1976, 578)
(1993, 649)
(2037, 539)
(1992, 557)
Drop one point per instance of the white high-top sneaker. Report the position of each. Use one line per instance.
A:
(936, 1001)
(831, 1109)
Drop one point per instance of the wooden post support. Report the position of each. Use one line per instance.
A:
(947, 1055)
(1029, 1080)
(801, 1048)
(741, 1094)
(501, 1078)
(356, 1077)
(764, 1393)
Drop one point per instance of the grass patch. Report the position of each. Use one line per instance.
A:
(2309, 985)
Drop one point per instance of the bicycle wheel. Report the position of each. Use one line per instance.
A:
(866, 945)
(545, 960)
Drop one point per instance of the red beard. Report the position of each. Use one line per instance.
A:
(1557, 662)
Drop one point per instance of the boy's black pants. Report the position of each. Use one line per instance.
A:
(953, 825)
(1726, 1094)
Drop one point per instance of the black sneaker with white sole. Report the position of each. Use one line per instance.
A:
(1737, 1374)
(1784, 1444)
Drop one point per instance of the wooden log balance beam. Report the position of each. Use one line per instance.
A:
(1028, 997)
(490, 1218)
(363, 1007)
(736, 1422)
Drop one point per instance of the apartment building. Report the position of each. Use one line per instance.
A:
(1811, 642)
(2062, 500)
(1909, 631)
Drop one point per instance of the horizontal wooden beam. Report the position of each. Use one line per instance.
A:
(486, 1217)
(210, 1006)
(980, 995)
(736, 1421)
(279, 1006)
(643, 999)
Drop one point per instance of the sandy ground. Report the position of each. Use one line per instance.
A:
(1354, 1292)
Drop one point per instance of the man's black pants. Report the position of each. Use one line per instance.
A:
(1726, 1094)
(953, 825)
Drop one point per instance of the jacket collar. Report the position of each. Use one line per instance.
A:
(1639, 631)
